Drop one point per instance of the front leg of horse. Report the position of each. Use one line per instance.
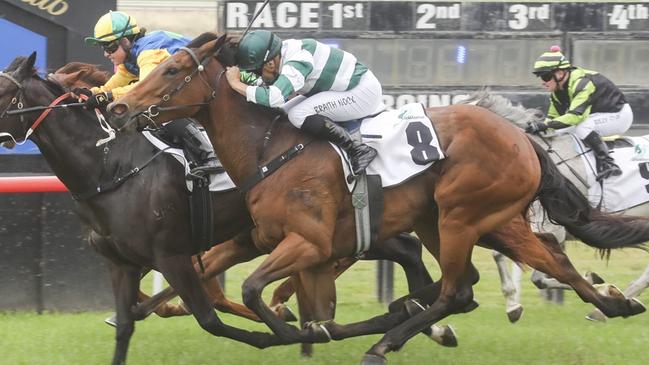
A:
(180, 274)
(126, 282)
(292, 255)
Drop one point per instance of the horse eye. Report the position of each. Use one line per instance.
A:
(171, 71)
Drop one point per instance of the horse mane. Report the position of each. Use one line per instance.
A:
(517, 114)
(92, 74)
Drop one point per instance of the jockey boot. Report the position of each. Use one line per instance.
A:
(606, 166)
(322, 127)
(195, 144)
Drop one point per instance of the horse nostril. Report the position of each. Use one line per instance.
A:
(118, 109)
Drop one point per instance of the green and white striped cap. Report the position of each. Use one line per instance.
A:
(550, 61)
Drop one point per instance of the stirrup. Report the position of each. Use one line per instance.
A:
(368, 156)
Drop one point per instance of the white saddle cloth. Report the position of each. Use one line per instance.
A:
(406, 143)
(619, 192)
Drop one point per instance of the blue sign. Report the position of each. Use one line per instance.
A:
(18, 41)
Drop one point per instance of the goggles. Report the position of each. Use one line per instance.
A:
(111, 47)
(546, 76)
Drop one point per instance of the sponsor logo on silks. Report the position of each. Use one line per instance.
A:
(403, 115)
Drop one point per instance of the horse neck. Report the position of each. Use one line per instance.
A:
(67, 141)
(237, 130)
(568, 160)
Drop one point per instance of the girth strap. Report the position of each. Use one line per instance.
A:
(265, 170)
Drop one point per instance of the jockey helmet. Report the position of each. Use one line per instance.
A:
(112, 26)
(257, 48)
(551, 61)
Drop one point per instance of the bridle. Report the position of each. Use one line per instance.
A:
(17, 99)
(155, 109)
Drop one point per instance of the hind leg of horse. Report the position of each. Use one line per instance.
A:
(292, 255)
(180, 273)
(634, 290)
(548, 257)
(218, 259)
(126, 282)
(513, 307)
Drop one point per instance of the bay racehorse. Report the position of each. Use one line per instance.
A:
(564, 150)
(303, 214)
(110, 195)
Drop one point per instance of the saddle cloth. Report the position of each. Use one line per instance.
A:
(619, 192)
(218, 182)
(406, 143)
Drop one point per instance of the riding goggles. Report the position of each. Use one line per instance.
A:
(546, 76)
(111, 47)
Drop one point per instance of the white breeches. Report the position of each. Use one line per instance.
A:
(605, 124)
(339, 106)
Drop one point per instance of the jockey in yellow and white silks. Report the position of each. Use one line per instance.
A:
(585, 103)
(135, 53)
(314, 83)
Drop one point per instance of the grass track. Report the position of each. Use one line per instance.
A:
(547, 333)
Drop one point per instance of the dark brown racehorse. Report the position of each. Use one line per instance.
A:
(67, 140)
(303, 213)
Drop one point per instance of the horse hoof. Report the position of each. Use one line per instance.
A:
(515, 314)
(371, 359)
(444, 335)
(285, 313)
(609, 290)
(636, 306)
(111, 320)
(593, 278)
(596, 316)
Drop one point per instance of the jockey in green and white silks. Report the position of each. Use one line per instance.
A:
(585, 103)
(314, 83)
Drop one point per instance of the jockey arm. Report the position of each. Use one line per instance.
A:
(580, 103)
(123, 81)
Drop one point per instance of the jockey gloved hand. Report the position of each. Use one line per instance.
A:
(78, 91)
(99, 100)
(536, 127)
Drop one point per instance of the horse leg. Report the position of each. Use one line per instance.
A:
(180, 274)
(455, 248)
(292, 255)
(316, 297)
(513, 307)
(634, 289)
(218, 259)
(126, 282)
(548, 257)
(405, 250)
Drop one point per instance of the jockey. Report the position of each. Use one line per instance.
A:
(135, 53)
(327, 85)
(584, 101)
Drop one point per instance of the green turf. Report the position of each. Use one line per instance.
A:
(547, 333)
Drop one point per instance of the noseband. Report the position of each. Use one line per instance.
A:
(16, 99)
(155, 109)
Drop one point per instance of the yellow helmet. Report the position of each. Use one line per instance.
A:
(113, 25)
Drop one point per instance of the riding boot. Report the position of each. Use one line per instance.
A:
(196, 144)
(359, 153)
(606, 166)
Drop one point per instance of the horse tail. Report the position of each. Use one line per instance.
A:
(567, 206)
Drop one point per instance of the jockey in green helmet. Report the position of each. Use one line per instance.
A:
(316, 84)
(585, 103)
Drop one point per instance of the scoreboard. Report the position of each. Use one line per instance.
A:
(436, 52)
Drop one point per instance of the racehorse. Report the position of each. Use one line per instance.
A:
(112, 184)
(303, 213)
(564, 150)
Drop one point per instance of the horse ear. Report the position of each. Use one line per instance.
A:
(219, 42)
(25, 70)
